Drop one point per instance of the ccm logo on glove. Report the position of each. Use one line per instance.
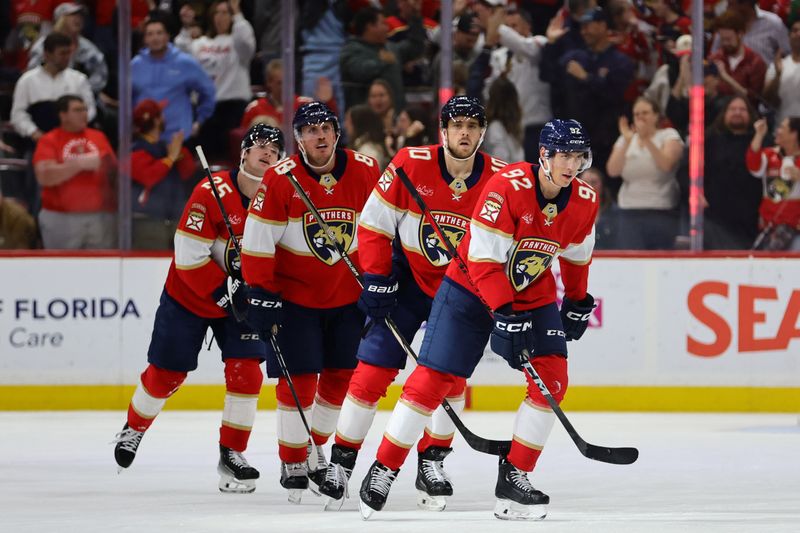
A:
(513, 328)
(572, 315)
(269, 304)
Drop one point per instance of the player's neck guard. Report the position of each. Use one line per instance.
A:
(443, 133)
(317, 169)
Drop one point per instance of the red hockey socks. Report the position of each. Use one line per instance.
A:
(155, 386)
(368, 384)
(243, 379)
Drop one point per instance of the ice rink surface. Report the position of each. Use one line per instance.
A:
(696, 473)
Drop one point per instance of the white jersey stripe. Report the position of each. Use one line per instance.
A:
(488, 245)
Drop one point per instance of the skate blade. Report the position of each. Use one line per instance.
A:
(509, 510)
(120, 469)
(427, 502)
(295, 495)
(365, 510)
(231, 485)
(333, 505)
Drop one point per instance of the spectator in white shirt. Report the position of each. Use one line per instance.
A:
(782, 88)
(224, 53)
(33, 109)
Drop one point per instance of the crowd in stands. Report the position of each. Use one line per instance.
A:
(202, 72)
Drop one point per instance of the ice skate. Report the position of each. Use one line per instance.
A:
(316, 465)
(516, 497)
(334, 484)
(375, 489)
(294, 478)
(236, 475)
(127, 442)
(433, 484)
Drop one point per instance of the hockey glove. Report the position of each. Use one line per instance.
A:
(511, 335)
(575, 316)
(265, 311)
(379, 295)
(231, 296)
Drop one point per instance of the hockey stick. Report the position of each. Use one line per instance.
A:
(272, 334)
(480, 444)
(619, 456)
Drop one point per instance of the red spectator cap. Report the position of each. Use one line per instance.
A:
(67, 8)
(144, 113)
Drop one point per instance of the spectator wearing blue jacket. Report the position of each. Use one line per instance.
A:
(163, 73)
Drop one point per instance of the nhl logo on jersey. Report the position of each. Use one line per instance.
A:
(454, 228)
(195, 220)
(531, 258)
(341, 222)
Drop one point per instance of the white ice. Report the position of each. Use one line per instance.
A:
(696, 473)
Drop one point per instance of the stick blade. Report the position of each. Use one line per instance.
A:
(614, 456)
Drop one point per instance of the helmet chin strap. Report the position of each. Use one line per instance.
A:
(247, 175)
(545, 164)
(443, 133)
(304, 155)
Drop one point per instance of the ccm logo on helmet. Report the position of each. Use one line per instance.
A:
(514, 328)
(266, 303)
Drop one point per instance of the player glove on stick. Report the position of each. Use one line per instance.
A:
(575, 316)
(379, 295)
(233, 302)
(265, 310)
(511, 335)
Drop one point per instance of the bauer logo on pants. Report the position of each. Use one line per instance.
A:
(341, 222)
(454, 228)
(530, 259)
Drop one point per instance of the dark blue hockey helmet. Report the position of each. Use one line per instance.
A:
(564, 136)
(462, 106)
(313, 113)
(261, 134)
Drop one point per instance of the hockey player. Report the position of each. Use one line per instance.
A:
(527, 216)
(401, 279)
(204, 289)
(298, 281)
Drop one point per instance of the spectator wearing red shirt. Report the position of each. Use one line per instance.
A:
(741, 70)
(160, 171)
(73, 165)
(29, 19)
(778, 167)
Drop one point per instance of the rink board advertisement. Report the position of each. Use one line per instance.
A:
(721, 330)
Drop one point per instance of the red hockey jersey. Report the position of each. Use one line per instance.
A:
(392, 213)
(204, 252)
(286, 251)
(781, 201)
(515, 234)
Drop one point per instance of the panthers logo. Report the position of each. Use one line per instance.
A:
(454, 228)
(341, 222)
(233, 264)
(530, 259)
